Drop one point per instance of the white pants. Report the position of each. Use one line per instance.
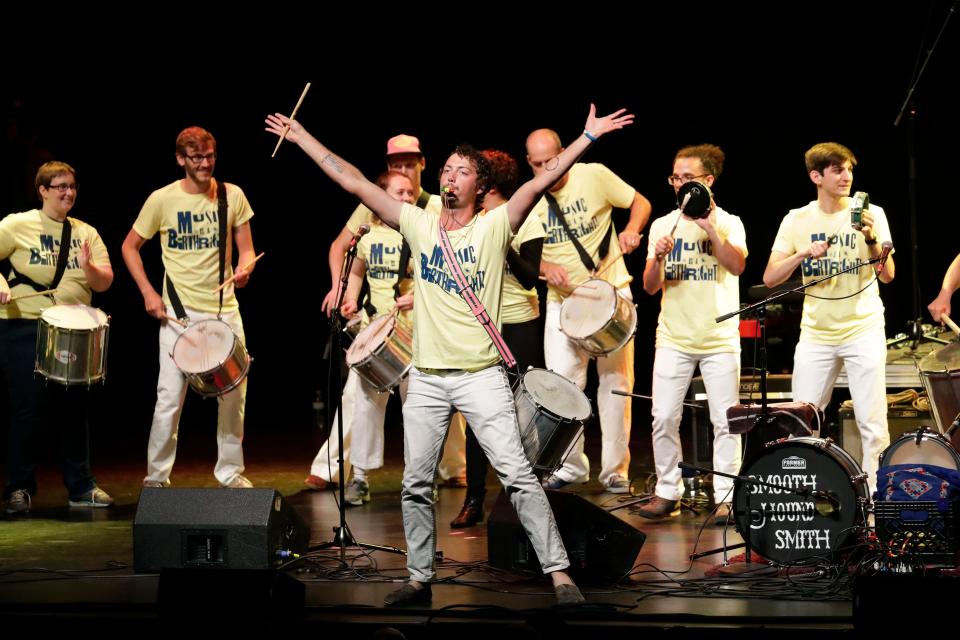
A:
(485, 399)
(364, 412)
(615, 371)
(672, 372)
(815, 370)
(171, 392)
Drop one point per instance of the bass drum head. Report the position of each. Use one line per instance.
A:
(74, 316)
(792, 529)
(557, 395)
(588, 309)
(932, 448)
(203, 346)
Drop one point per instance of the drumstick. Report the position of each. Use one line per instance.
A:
(683, 206)
(33, 295)
(293, 115)
(177, 320)
(950, 323)
(234, 276)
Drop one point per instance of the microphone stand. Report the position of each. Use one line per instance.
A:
(342, 538)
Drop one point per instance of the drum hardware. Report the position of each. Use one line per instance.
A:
(72, 342)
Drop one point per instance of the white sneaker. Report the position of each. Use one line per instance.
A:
(617, 484)
(237, 482)
(155, 484)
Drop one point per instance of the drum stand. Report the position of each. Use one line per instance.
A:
(342, 537)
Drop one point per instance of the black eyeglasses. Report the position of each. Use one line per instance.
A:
(676, 180)
(197, 159)
(62, 188)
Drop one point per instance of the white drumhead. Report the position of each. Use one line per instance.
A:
(557, 394)
(203, 345)
(74, 316)
(588, 309)
(370, 339)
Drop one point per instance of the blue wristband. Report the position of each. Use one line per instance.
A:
(590, 137)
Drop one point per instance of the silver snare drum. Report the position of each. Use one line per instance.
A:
(551, 412)
(598, 318)
(72, 344)
(212, 357)
(382, 353)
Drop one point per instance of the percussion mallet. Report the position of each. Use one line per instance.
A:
(177, 320)
(33, 295)
(683, 206)
(234, 276)
(637, 395)
(950, 323)
(293, 114)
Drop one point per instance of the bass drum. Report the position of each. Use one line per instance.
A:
(806, 528)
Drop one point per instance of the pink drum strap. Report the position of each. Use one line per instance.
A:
(476, 307)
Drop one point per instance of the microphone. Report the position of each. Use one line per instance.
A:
(887, 247)
(362, 231)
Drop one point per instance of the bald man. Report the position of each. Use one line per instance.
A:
(586, 196)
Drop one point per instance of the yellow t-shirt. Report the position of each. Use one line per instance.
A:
(380, 252)
(519, 304)
(696, 289)
(835, 322)
(31, 240)
(446, 335)
(189, 229)
(362, 215)
(586, 199)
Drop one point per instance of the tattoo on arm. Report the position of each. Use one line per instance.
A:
(334, 161)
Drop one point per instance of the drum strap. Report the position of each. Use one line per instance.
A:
(466, 291)
(223, 240)
(62, 255)
(584, 256)
(405, 249)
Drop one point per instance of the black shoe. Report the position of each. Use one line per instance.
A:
(470, 514)
(408, 595)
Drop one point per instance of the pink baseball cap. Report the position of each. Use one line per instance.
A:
(403, 144)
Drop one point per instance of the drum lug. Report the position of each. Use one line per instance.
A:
(860, 477)
(826, 443)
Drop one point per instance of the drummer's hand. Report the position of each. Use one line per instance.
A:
(153, 303)
(405, 303)
(4, 292)
(866, 220)
(329, 301)
(629, 241)
(708, 223)
(937, 308)
(84, 256)
(348, 309)
(817, 249)
(240, 277)
(664, 246)
(555, 275)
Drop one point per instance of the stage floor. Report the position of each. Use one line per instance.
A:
(73, 568)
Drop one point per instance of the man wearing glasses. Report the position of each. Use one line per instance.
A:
(842, 323)
(187, 214)
(586, 196)
(697, 264)
(33, 242)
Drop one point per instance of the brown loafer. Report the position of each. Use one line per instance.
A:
(470, 514)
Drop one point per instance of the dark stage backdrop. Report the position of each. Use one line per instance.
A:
(764, 95)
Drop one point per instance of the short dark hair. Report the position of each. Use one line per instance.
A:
(710, 155)
(480, 164)
(828, 154)
(195, 137)
(50, 170)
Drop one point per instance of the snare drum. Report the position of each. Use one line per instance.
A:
(551, 412)
(788, 528)
(72, 344)
(921, 447)
(940, 373)
(211, 356)
(598, 318)
(382, 353)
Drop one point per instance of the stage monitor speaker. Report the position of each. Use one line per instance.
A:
(899, 421)
(215, 529)
(601, 546)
